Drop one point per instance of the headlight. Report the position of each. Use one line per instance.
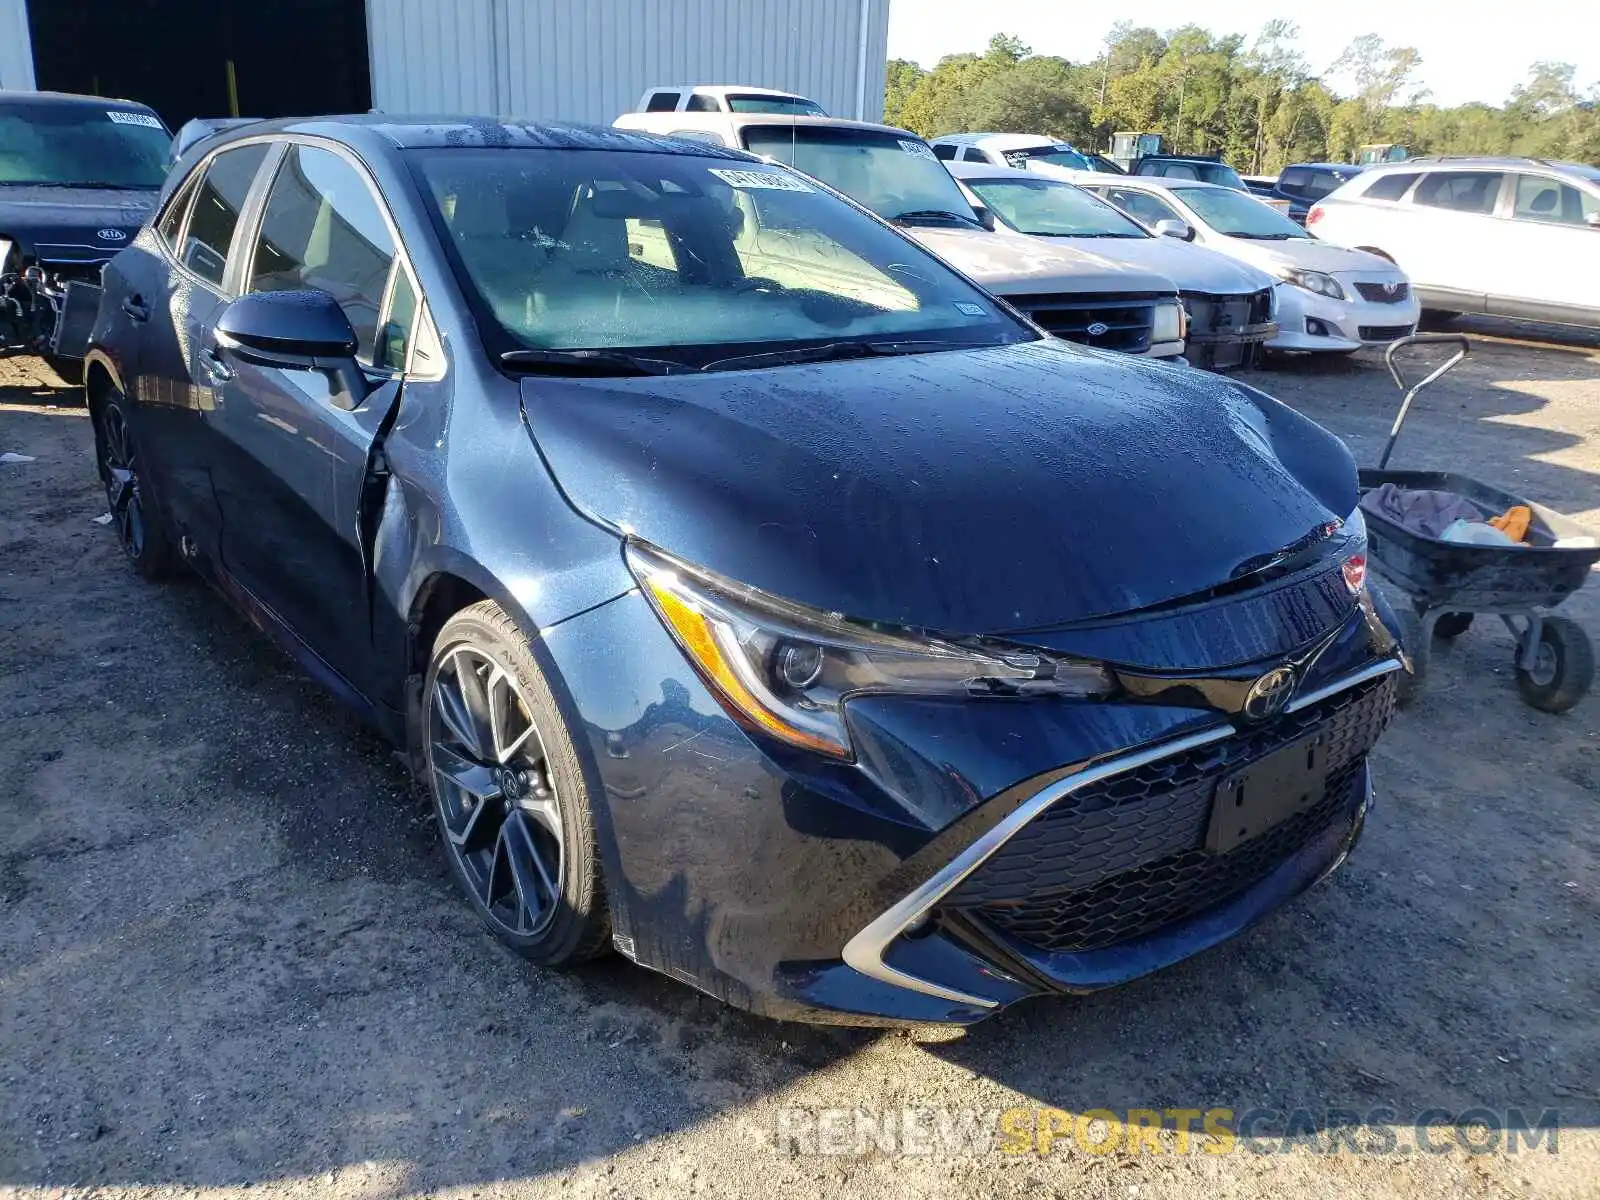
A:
(787, 670)
(1315, 281)
(1167, 322)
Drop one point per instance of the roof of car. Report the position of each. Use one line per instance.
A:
(1327, 166)
(440, 132)
(999, 141)
(722, 89)
(1156, 183)
(978, 170)
(1479, 162)
(70, 99)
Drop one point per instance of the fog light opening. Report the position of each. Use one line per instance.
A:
(1317, 327)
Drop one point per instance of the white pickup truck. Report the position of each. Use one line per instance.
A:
(1073, 294)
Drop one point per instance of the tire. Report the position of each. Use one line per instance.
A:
(141, 523)
(1450, 625)
(1565, 669)
(514, 812)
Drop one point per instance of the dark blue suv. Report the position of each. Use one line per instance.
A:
(750, 592)
(1303, 184)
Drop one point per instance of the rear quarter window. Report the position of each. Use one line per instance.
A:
(662, 102)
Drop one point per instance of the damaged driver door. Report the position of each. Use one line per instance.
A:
(296, 453)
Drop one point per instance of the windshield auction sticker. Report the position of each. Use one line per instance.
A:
(770, 180)
(132, 118)
(919, 149)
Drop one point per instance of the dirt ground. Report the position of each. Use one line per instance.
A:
(230, 956)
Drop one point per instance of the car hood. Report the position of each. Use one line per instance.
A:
(1307, 254)
(69, 221)
(1026, 266)
(1192, 268)
(980, 491)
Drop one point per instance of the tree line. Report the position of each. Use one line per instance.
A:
(1258, 105)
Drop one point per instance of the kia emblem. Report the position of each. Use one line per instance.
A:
(1096, 328)
(111, 235)
(1269, 695)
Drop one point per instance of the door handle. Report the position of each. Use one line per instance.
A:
(136, 308)
(219, 370)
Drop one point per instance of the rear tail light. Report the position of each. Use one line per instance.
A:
(1355, 573)
(1314, 215)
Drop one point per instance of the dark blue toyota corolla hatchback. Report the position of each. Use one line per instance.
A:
(751, 592)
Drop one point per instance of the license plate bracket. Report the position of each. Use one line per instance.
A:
(1250, 801)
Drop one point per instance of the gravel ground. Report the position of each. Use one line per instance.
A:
(230, 956)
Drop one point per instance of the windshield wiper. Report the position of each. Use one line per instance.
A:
(931, 214)
(833, 351)
(1264, 237)
(86, 183)
(589, 362)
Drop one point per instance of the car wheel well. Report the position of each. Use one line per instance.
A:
(97, 385)
(439, 598)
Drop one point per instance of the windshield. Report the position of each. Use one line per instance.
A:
(797, 105)
(896, 176)
(65, 145)
(1050, 209)
(1060, 156)
(1238, 215)
(1222, 175)
(684, 256)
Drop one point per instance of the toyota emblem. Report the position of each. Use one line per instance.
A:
(1391, 286)
(1096, 328)
(1269, 695)
(111, 235)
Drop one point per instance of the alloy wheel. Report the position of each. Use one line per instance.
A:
(120, 470)
(493, 791)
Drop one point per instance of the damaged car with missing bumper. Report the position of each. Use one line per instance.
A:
(78, 177)
(838, 644)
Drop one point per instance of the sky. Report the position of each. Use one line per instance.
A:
(1471, 49)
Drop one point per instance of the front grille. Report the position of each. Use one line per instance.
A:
(1105, 322)
(1380, 294)
(1218, 325)
(1125, 856)
(1384, 333)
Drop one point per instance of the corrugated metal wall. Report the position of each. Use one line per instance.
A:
(16, 46)
(589, 61)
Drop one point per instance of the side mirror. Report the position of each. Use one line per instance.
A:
(1175, 229)
(985, 216)
(303, 330)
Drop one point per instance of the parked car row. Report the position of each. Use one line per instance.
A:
(751, 592)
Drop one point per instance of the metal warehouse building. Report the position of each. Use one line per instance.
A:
(530, 58)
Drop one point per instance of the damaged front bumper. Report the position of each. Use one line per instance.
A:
(46, 311)
(1227, 330)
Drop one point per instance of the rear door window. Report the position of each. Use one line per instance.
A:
(323, 228)
(1390, 187)
(1460, 191)
(945, 152)
(662, 102)
(216, 210)
(699, 103)
(1542, 199)
(1294, 181)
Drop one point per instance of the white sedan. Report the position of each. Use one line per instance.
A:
(1230, 304)
(1331, 299)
